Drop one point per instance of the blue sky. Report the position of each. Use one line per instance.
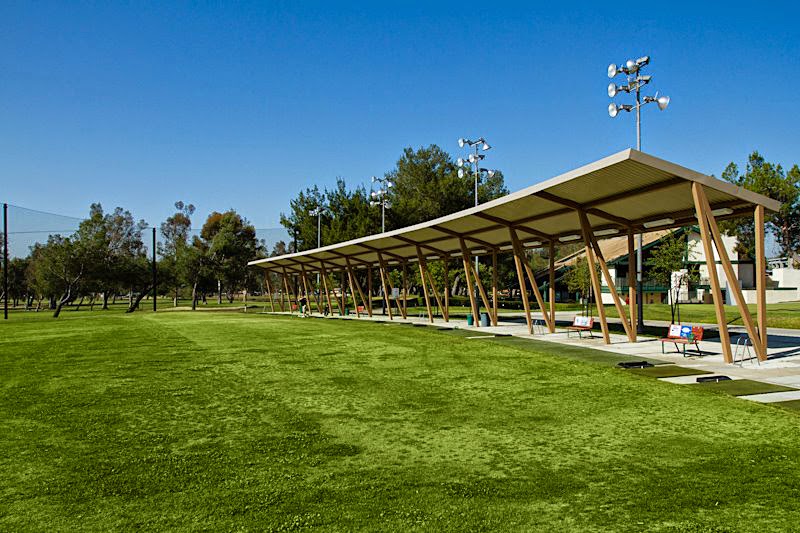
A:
(241, 105)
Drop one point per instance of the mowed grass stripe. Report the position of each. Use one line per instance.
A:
(188, 421)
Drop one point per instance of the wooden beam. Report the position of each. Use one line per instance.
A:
(761, 276)
(384, 275)
(405, 290)
(269, 290)
(369, 290)
(552, 281)
(577, 206)
(327, 289)
(465, 236)
(519, 257)
(314, 293)
(354, 283)
(609, 279)
(353, 290)
(713, 276)
(470, 289)
(494, 288)
(446, 308)
(481, 290)
(632, 308)
(422, 268)
(289, 291)
(590, 258)
(344, 292)
(733, 281)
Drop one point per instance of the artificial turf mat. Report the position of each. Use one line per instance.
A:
(667, 371)
(743, 387)
(794, 405)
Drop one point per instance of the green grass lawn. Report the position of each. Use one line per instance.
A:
(785, 315)
(233, 421)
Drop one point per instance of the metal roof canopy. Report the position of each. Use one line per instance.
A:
(627, 191)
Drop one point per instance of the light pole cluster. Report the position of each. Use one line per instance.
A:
(632, 69)
(318, 211)
(474, 159)
(381, 197)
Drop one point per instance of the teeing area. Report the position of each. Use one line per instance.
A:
(627, 193)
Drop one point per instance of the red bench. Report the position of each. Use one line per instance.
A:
(581, 324)
(683, 335)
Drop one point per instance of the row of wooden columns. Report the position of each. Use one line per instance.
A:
(710, 236)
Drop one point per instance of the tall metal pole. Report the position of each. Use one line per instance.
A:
(477, 175)
(639, 284)
(383, 215)
(5, 261)
(155, 279)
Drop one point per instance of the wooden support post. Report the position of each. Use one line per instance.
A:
(385, 285)
(289, 292)
(761, 276)
(733, 281)
(369, 290)
(327, 289)
(269, 290)
(632, 308)
(534, 287)
(354, 282)
(590, 258)
(446, 309)
(629, 330)
(434, 290)
(470, 288)
(353, 290)
(552, 288)
(282, 291)
(422, 271)
(306, 283)
(344, 292)
(481, 290)
(494, 288)
(713, 276)
(405, 290)
(519, 257)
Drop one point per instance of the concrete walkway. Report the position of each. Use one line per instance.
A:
(781, 368)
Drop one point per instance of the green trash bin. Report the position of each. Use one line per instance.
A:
(470, 319)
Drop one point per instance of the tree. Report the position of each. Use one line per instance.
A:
(57, 268)
(667, 262)
(770, 180)
(427, 186)
(175, 231)
(578, 280)
(231, 242)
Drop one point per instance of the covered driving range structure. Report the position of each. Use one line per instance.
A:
(627, 193)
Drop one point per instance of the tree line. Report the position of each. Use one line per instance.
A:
(107, 257)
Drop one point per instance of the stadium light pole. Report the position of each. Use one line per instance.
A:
(318, 211)
(474, 159)
(632, 69)
(381, 197)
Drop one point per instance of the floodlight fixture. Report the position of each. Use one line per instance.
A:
(605, 232)
(460, 162)
(461, 173)
(485, 146)
(659, 222)
(662, 102)
(462, 142)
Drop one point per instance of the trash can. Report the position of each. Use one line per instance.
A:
(470, 319)
(484, 320)
(346, 311)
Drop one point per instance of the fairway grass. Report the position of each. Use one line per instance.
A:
(229, 422)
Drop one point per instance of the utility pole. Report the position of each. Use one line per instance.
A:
(155, 275)
(5, 261)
